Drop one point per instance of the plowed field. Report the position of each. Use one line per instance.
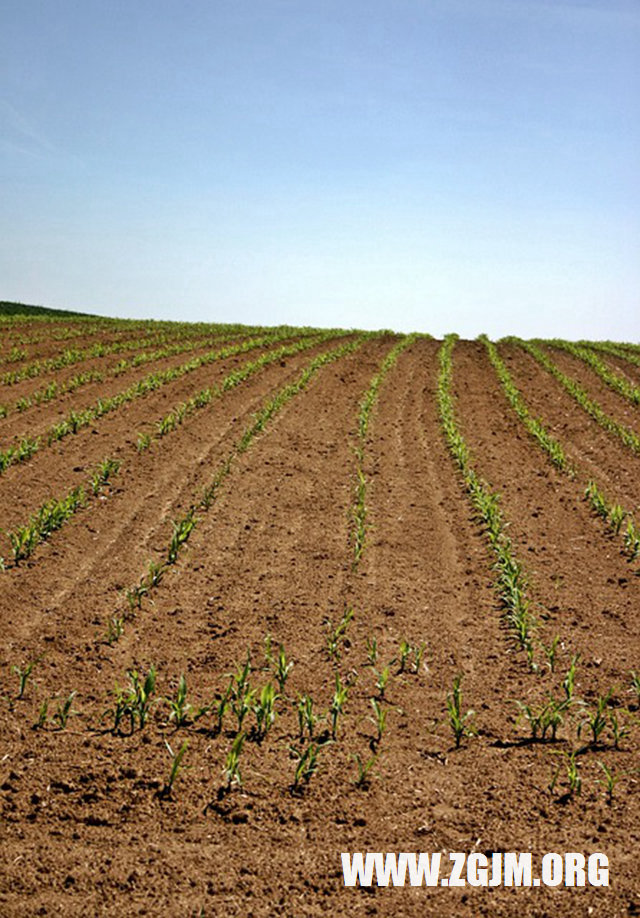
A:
(286, 510)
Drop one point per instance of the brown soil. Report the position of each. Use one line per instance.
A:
(86, 826)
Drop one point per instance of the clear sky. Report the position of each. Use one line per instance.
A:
(436, 165)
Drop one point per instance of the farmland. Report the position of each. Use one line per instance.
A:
(272, 594)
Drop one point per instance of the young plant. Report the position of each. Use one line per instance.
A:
(176, 764)
(283, 669)
(337, 705)
(182, 529)
(64, 712)
(307, 720)
(231, 771)
(115, 629)
(379, 720)
(458, 720)
(24, 674)
(610, 780)
(106, 469)
(596, 720)
(372, 651)
(550, 652)
(364, 769)
(180, 708)
(336, 636)
(382, 681)
(573, 774)
(265, 711)
(306, 767)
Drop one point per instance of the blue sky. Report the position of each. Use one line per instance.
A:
(467, 165)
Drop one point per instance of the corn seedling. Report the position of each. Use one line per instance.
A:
(143, 442)
(265, 711)
(133, 702)
(610, 780)
(382, 681)
(64, 712)
(106, 469)
(568, 683)
(231, 771)
(43, 713)
(379, 720)
(24, 674)
(283, 669)
(372, 651)
(545, 718)
(306, 767)
(307, 720)
(155, 573)
(182, 529)
(336, 636)
(596, 720)
(458, 720)
(176, 764)
(619, 729)
(364, 769)
(573, 774)
(550, 652)
(337, 705)
(115, 629)
(181, 710)
(268, 652)
(635, 685)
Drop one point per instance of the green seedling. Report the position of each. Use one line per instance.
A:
(458, 720)
(610, 780)
(635, 685)
(265, 711)
(176, 764)
(231, 771)
(573, 773)
(143, 442)
(24, 674)
(306, 767)
(336, 636)
(364, 770)
(619, 730)
(182, 529)
(181, 710)
(115, 629)
(43, 713)
(372, 651)
(544, 718)
(64, 712)
(382, 681)
(283, 669)
(307, 720)
(337, 705)
(568, 683)
(550, 652)
(106, 469)
(405, 650)
(379, 720)
(596, 720)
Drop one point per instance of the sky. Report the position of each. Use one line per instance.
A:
(428, 165)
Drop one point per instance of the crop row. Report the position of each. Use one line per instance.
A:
(76, 420)
(592, 408)
(55, 512)
(55, 389)
(612, 513)
(511, 581)
(614, 380)
(359, 511)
